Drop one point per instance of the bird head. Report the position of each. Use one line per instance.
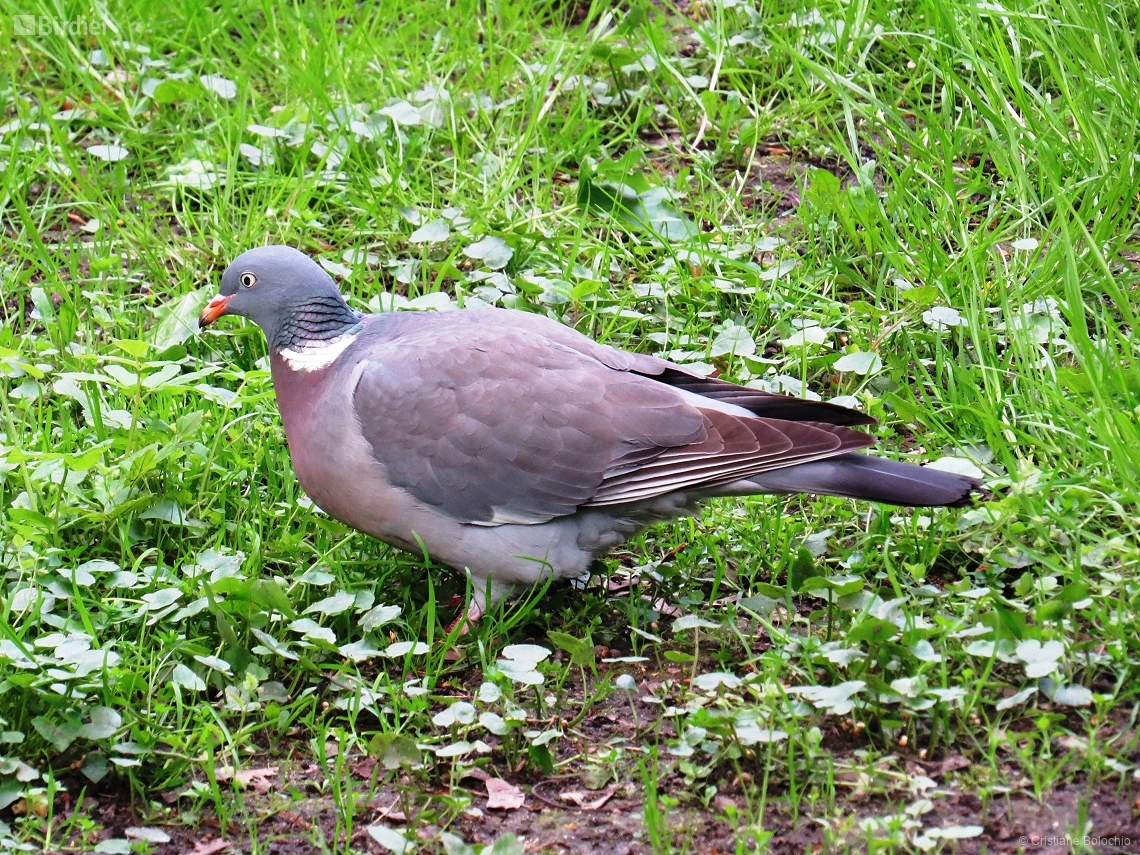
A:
(266, 285)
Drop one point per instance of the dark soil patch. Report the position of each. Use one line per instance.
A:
(292, 818)
(285, 804)
(595, 802)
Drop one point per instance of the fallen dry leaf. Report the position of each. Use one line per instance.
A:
(294, 819)
(661, 606)
(211, 847)
(259, 779)
(589, 800)
(390, 812)
(502, 795)
(953, 762)
(364, 767)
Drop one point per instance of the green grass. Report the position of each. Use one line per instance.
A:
(868, 169)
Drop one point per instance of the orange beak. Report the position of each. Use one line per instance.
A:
(214, 310)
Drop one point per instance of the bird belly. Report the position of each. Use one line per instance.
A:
(338, 470)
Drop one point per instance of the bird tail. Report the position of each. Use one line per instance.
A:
(860, 476)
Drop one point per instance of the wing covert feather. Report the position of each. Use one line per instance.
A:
(494, 424)
(491, 424)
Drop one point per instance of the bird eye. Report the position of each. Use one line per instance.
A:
(247, 280)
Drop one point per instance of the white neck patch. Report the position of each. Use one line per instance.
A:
(317, 355)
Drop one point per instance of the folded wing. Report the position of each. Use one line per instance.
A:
(494, 425)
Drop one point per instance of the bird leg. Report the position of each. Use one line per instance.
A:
(466, 620)
(482, 598)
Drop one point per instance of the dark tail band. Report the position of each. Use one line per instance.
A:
(859, 476)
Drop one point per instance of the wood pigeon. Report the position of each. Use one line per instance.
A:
(511, 446)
